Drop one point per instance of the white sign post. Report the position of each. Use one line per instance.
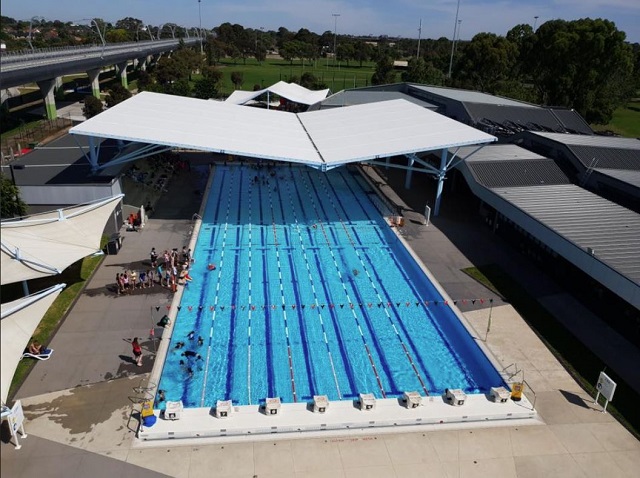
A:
(607, 388)
(16, 422)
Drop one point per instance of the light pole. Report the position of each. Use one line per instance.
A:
(455, 28)
(335, 34)
(455, 46)
(159, 31)
(33, 19)
(535, 22)
(419, 35)
(200, 28)
(149, 32)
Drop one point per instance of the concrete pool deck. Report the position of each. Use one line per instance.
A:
(81, 414)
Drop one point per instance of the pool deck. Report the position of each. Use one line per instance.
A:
(81, 415)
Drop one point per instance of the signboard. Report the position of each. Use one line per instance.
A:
(17, 417)
(606, 386)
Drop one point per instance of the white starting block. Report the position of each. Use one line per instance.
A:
(320, 403)
(367, 401)
(411, 399)
(223, 408)
(499, 394)
(173, 410)
(272, 406)
(455, 397)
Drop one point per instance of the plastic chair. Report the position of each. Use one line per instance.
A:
(43, 356)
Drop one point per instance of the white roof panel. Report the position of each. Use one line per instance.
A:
(317, 138)
(592, 140)
(290, 91)
(387, 128)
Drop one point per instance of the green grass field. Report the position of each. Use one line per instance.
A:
(625, 121)
(273, 70)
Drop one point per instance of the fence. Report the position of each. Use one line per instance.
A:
(28, 137)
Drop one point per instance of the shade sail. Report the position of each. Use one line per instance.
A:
(19, 321)
(291, 91)
(46, 244)
(322, 139)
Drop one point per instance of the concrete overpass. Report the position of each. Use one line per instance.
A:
(46, 67)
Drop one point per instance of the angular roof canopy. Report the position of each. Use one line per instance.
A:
(322, 139)
(46, 244)
(19, 320)
(290, 91)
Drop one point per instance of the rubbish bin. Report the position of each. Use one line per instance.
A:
(112, 247)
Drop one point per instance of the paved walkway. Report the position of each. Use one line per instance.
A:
(79, 404)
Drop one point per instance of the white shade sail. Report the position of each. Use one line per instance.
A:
(322, 139)
(291, 91)
(46, 244)
(19, 320)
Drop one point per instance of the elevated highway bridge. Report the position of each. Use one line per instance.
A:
(46, 67)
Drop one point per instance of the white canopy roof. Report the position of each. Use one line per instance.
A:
(322, 139)
(46, 244)
(290, 91)
(19, 320)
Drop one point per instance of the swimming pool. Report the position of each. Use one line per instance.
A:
(312, 294)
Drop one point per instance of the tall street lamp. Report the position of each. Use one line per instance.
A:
(455, 47)
(33, 19)
(535, 22)
(455, 29)
(335, 33)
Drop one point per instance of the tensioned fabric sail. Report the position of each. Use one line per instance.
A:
(46, 244)
(19, 320)
(290, 91)
(321, 139)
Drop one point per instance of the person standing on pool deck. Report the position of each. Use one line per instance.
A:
(137, 351)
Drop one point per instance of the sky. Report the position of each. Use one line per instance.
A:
(357, 17)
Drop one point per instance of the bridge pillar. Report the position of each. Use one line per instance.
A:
(141, 63)
(47, 88)
(122, 73)
(94, 80)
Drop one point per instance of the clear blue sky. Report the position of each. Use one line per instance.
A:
(390, 17)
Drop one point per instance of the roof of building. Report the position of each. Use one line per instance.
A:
(322, 139)
(595, 140)
(508, 165)
(469, 96)
(290, 91)
(363, 96)
(631, 177)
(61, 162)
(586, 220)
(607, 157)
(514, 119)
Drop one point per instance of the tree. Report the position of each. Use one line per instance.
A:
(216, 50)
(583, 64)
(346, 51)
(119, 35)
(92, 106)
(416, 71)
(237, 78)
(12, 205)
(362, 52)
(486, 61)
(180, 87)
(384, 73)
(207, 86)
(117, 94)
(144, 80)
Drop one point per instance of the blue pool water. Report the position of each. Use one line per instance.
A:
(312, 294)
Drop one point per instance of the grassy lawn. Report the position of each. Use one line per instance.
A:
(580, 361)
(625, 121)
(273, 70)
(75, 276)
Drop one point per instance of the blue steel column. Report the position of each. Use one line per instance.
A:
(443, 165)
(93, 154)
(407, 181)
